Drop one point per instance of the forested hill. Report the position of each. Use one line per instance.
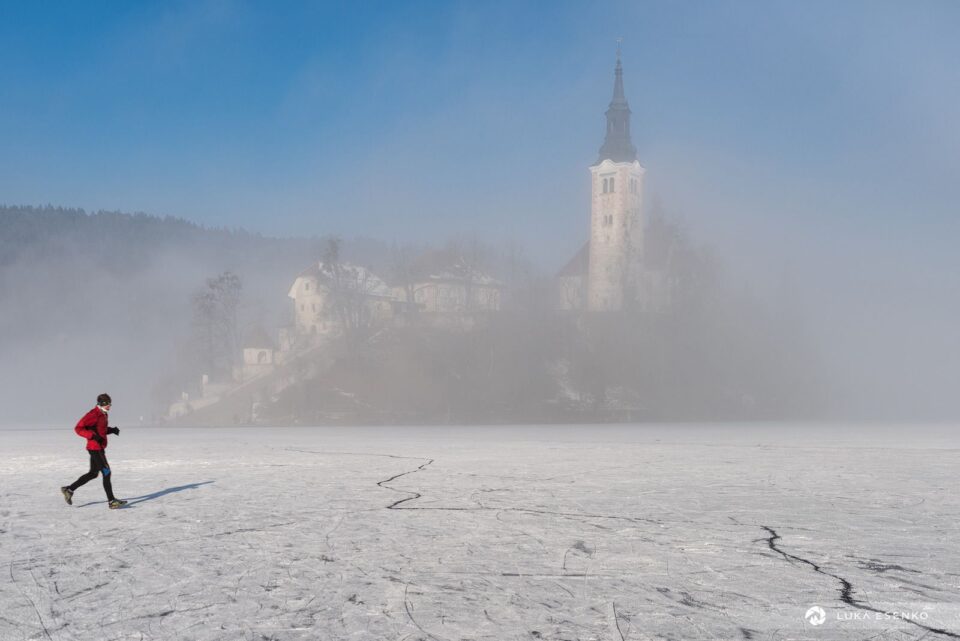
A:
(100, 301)
(47, 231)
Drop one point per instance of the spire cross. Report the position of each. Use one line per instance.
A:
(619, 42)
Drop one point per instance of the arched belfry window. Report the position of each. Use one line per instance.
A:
(605, 185)
(611, 186)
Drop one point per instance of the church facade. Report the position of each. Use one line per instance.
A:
(606, 273)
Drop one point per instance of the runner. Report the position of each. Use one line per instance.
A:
(93, 427)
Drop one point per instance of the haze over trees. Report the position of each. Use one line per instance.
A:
(103, 300)
(145, 306)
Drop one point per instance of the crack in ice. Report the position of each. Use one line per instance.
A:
(414, 495)
(847, 589)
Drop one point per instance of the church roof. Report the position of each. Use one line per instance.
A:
(617, 145)
(578, 265)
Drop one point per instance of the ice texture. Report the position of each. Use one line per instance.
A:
(536, 532)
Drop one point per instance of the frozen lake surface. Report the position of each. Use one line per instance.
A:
(573, 532)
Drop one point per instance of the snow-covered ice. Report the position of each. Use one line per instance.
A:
(573, 532)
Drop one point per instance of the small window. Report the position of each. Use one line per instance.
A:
(303, 307)
(606, 185)
(611, 186)
(306, 286)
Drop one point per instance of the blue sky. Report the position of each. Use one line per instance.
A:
(815, 143)
(399, 119)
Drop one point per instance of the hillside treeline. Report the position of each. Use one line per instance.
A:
(100, 301)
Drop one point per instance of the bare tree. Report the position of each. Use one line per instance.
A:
(351, 292)
(215, 324)
(470, 259)
(406, 271)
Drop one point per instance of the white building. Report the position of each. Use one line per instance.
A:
(445, 283)
(259, 354)
(324, 296)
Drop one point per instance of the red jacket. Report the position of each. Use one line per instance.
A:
(94, 421)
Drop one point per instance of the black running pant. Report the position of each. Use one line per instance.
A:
(98, 463)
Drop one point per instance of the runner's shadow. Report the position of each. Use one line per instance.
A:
(170, 490)
(149, 497)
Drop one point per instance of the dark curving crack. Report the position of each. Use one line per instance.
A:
(416, 495)
(413, 495)
(383, 483)
(846, 588)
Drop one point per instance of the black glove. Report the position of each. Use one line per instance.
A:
(113, 430)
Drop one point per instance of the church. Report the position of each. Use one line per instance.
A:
(607, 273)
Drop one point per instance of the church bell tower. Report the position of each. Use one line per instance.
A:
(616, 227)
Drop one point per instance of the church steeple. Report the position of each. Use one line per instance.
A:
(617, 145)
